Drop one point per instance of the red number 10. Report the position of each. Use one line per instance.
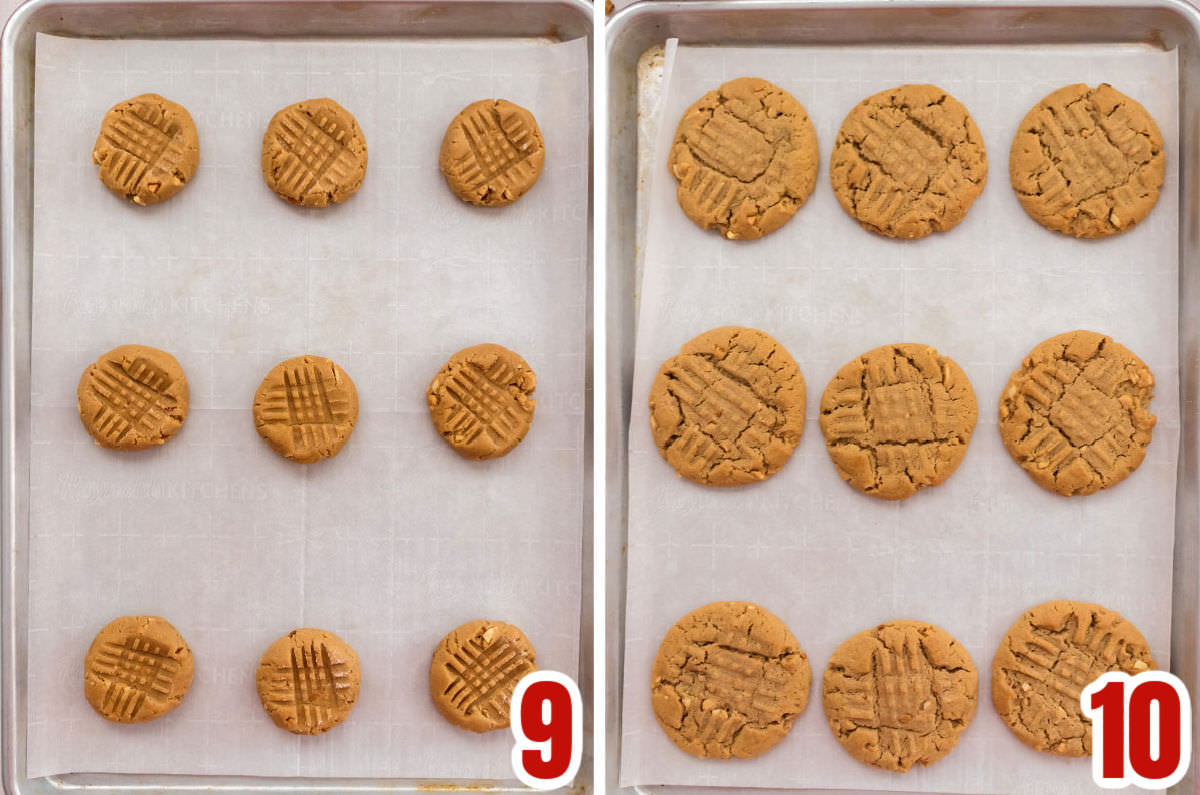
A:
(1141, 729)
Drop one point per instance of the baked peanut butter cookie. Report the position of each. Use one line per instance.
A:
(481, 401)
(900, 694)
(138, 668)
(147, 149)
(1050, 654)
(132, 398)
(308, 681)
(908, 162)
(475, 670)
(314, 154)
(492, 153)
(897, 419)
(1087, 162)
(305, 408)
(729, 409)
(729, 680)
(1075, 415)
(745, 156)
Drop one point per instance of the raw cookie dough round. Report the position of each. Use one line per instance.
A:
(147, 149)
(908, 162)
(1087, 162)
(492, 153)
(1049, 655)
(900, 694)
(308, 681)
(474, 671)
(1074, 416)
(729, 409)
(729, 680)
(480, 401)
(132, 398)
(313, 153)
(138, 668)
(745, 156)
(306, 408)
(897, 419)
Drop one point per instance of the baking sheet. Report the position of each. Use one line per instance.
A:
(970, 555)
(395, 541)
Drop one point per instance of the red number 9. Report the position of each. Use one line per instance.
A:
(547, 722)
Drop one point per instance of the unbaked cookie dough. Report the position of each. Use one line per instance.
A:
(305, 408)
(908, 162)
(132, 398)
(308, 681)
(729, 409)
(481, 401)
(900, 694)
(475, 670)
(1087, 162)
(492, 153)
(1050, 654)
(314, 154)
(745, 156)
(729, 680)
(137, 669)
(1075, 415)
(147, 149)
(897, 419)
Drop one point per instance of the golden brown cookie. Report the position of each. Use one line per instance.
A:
(908, 161)
(1075, 415)
(729, 409)
(1045, 661)
(147, 149)
(480, 401)
(492, 153)
(138, 668)
(132, 398)
(729, 680)
(900, 694)
(306, 408)
(475, 670)
(1087, 162)
(308, 681)
(897, 419)
(313, 153)
(745, 156)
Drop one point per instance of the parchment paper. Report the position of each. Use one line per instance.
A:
(970, 555)
(395, 541)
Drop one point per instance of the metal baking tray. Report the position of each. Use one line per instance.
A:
(556, 20)
(646, 25)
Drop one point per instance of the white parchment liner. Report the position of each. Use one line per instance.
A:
(972, 554)
(395, 541)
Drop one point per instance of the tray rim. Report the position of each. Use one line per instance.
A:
(13, 726)
(659, 14)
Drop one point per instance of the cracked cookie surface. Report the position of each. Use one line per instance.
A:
(900, 694)
(729, 409)
(908, 162)
(1087, 162)
(897, 419)
(1074, 416)
(314, 154)
(492, 153)
(729, 680)
(1050, 654)
(745, 156)
(475, 670)
(147, 149)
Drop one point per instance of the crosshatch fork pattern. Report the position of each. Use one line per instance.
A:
(129, 397)
(303, 402)
(483, 405)
(498, 155)
(243, 281)
(136, 670)
(142, 142)
(485, 676)
(318, 151)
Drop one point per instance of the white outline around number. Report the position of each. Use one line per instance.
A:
(1096, 716)
(521, 743)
